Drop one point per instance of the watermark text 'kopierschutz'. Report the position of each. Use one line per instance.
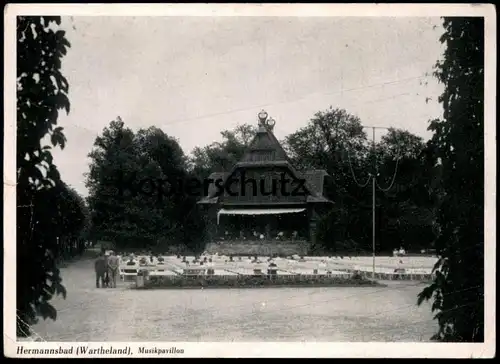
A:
(234, 186)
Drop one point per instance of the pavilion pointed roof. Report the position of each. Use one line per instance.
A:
(266, 150)
(265, 146)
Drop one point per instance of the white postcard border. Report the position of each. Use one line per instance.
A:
(254, 349)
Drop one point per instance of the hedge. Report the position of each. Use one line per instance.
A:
(253, 281)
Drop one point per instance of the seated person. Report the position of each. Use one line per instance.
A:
(131, 261)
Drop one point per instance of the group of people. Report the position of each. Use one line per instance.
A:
(107, 266)
(399, 253)
(132, 259)
(255, 235)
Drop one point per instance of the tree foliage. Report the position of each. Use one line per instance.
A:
(458, 145)
(49, 214)
(408, 204)
(73, 221)
(134, 214)
(221, 156)
(334, 140)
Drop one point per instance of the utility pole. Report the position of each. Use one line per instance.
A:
(373, 176)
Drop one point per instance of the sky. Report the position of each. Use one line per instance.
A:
(196, 76)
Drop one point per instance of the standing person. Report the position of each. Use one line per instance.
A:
(113, 266)
(106, 273)
(100, 267)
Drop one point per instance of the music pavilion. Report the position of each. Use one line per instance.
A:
(257, 206)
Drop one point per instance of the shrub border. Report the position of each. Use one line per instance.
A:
(253, 281)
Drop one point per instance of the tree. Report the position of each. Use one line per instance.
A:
(179, 209)
(113, 155)
(221, 156)
(41, 93)
(134, 193)
(72, 221)
(458, 144)
(334, 140)
(325, 140)
(407, 206)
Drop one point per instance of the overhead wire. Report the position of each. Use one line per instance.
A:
(287, 101)
(394, 175)
(297, 99)
(354, 175)
(392, 181)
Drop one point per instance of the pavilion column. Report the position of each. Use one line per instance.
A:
(214, 222)
(210, 218)
(313, 220)
(312, 232)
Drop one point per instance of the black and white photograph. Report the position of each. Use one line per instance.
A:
(277, 180)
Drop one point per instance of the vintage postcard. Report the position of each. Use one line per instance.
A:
(249, 180)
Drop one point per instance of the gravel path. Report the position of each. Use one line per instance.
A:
(281, 314)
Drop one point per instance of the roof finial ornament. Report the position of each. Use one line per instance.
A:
(270, 123)
(262, 117)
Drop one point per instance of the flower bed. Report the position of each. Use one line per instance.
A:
(394, 276)
(253, 281)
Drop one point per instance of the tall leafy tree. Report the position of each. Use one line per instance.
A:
(41, 92)
(114, 156)
(334, 140)
(407, 207)
(135, 191)
(177, 210)
(221, 156)
(458, 144)
(72, 221)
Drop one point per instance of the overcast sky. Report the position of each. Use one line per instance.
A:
(196, 76)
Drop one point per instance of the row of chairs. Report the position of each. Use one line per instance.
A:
(131, 271)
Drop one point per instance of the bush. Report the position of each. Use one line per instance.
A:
(252, 281)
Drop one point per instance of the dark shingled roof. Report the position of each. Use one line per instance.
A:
(264, 141)
(316, 179)
(215, 176)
